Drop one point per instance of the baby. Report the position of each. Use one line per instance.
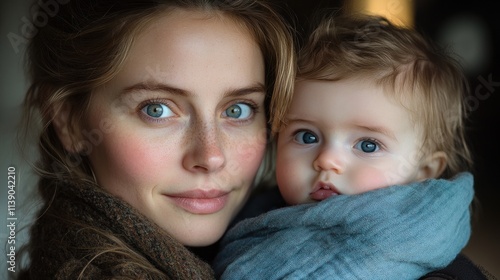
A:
(375, 134)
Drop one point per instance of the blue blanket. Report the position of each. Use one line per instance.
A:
(399, 232)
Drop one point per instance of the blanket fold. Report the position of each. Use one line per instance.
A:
(399, 232)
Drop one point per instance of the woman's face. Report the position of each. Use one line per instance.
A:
(183, 125)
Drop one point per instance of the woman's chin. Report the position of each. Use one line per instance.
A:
(200, 238)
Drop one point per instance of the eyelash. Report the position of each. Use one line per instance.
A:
(152, 102)
(375, 141)
(371, 140)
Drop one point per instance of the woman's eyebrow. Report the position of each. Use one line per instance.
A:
(148, 86)
(257, 88)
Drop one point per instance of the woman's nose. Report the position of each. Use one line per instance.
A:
(329, 159)
(205, 151)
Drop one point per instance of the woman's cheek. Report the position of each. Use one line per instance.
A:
(250, 154)
(137, 159)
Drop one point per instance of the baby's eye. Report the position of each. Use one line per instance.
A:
(157, 111)
(239, 111)
(367, 146)
(305, 137)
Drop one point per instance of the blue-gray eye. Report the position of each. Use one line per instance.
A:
(306, 137)
(238, 111)
(367, 146)
(157, 110)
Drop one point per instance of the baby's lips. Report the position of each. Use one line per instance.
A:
(323, 190)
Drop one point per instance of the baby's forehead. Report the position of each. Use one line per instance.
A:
(364, 96)
(369, 93)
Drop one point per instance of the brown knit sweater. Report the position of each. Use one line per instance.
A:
(61, 248)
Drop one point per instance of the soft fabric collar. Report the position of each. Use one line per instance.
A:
(399, 232)
(62, 249)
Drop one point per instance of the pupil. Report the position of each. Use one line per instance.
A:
(309, 138)
(368, 146)
(234, 111)
(155, 110)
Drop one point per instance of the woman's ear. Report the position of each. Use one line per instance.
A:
(61, 122)
(432, 166)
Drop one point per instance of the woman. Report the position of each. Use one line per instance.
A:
(154, 126)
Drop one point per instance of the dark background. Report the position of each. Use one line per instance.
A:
(435, 19)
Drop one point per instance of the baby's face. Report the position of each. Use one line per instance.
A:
(345, 137)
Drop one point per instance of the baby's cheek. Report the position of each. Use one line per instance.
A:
(291, 179)
(371, 179)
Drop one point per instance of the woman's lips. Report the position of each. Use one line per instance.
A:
(200, 201)
(323, 191)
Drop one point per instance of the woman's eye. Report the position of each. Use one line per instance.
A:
(157, 111)
(239, 111)
(305, 137)
(367, 146)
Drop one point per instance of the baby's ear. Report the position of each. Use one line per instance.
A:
(61, 122)
(432, 166)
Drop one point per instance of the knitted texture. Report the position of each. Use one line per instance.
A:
(67, 241)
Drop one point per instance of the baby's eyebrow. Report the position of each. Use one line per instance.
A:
(378, 129)
(295, 119)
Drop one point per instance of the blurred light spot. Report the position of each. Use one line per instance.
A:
(468, 37)
(399, 12)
